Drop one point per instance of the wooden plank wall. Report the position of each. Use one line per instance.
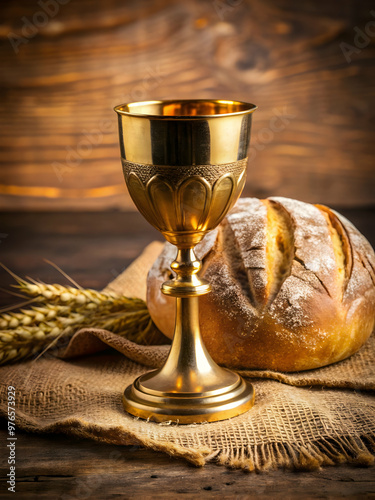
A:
(307, 64)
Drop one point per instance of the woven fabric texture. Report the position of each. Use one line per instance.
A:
(301, 420)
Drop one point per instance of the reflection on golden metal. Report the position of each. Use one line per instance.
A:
(184, 163)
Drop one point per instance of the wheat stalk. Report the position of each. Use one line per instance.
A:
(61, 311)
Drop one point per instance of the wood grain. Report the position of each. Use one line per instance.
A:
(65, 468)
(285, 56)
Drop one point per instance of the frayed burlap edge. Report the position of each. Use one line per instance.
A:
(357, 451)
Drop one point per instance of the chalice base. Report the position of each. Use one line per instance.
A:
(141, 400)
(190, 387)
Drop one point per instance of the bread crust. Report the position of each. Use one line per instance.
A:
(293, 287)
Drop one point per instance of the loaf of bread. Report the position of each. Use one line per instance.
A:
(293, 287)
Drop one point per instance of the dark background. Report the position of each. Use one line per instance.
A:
(66, 64)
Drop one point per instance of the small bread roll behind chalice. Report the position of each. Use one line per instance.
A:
(293, 287)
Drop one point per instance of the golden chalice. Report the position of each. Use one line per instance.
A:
(184, 163)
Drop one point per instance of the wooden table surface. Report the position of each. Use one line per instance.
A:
(93, 248)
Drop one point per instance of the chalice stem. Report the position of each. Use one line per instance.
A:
(189, 365)
(188, 356)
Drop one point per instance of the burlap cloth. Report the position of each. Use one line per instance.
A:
(302, 420)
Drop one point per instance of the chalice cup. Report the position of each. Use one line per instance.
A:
(184, 163)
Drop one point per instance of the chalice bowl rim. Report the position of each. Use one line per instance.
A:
(130, 108)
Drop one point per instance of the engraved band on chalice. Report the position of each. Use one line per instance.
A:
(184, 163)
(184, 198)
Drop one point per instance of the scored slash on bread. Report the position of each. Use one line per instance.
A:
(293, 286)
